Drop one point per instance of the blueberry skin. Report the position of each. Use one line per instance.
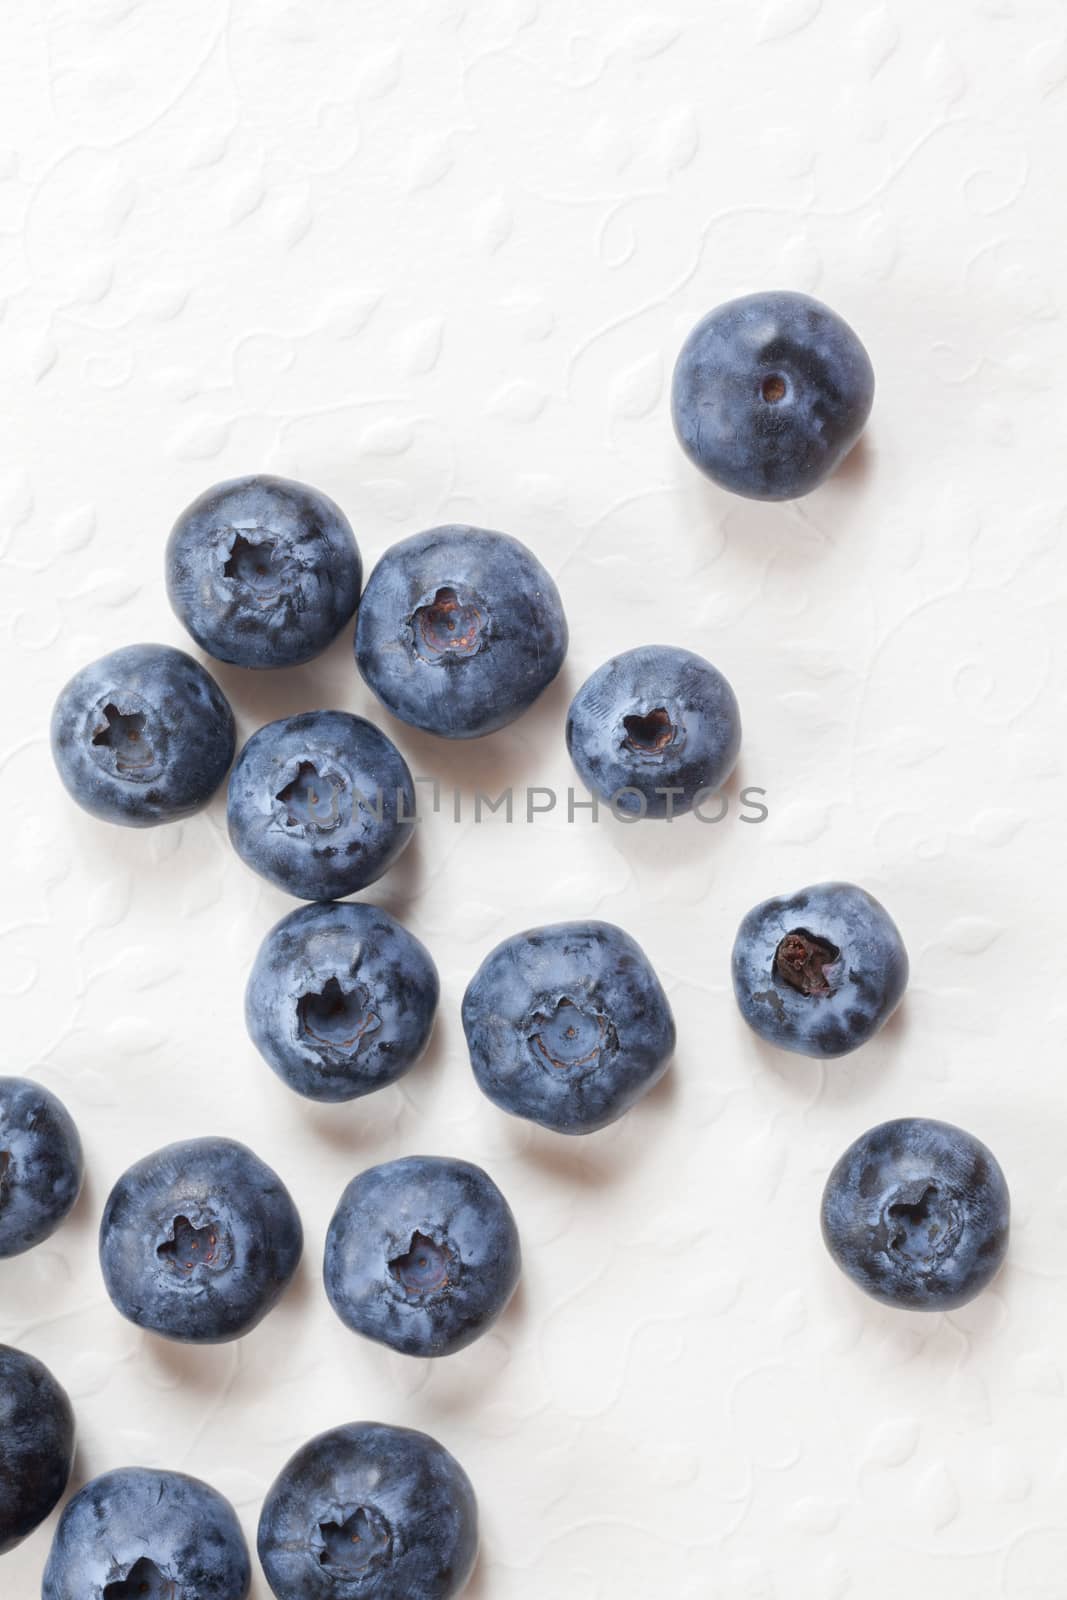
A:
(820, 971)
(263, 571)
(41, 1165)
(651, 719)
(369, 1512)
(141, 1534)
(460, 629)
(770, 393)
(198, 1241)
(341, 1000)
(142, 736)
(568, 1025)
(422, 1254)
(917, 1214)
(36, 1444)
(304, 803)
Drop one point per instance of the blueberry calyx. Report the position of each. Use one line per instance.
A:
(260, 566)
(802, 959)
(922, 1222)
(426, 1267)
(355, 1544)
(336, 1019)
(190, 1247)
(449, 626)
(774, 388)
(144, 1581)
(570, 1038)
(312, 797)
(120, 741)
(650, 733)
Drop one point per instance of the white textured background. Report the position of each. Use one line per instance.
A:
(437, 258)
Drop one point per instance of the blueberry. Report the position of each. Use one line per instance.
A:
(321, 804)
(36, 1444)
(422, 1254)
(142, 736)
(460, 630)
(653, 720)
(140, 1534)
(820, 971)
(770, 393)
(198, 1241)
(568, 1025)
(263, 572)
(917, 1213)
(341, 1000)
(41, 1165)
(369, 1512)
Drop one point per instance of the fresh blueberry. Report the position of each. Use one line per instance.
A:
(568, 1025)
(263, 572)
(140, 1534)
(654, 730)
(341, 1000)
(198, 1241)
(142, 736)
(820, 971)
(770, 394)
(917, 1213)
(422, 1254)
(321, 804)
(41, 1165)
(36, 1444)
(369, 1512)
(460, 630)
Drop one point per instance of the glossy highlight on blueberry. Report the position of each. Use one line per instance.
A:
(36, 1444)
(568, 1025)
(917, 1213)
(819, 972)
(770, 393)
(341, 1000)
(198, 1241)
(369, 1512)
(143, 1534)
(41, 1164)
(263, 571)
(654, 731)
(320, 804)
(422, 1254)
(142, 736)
(460, 630)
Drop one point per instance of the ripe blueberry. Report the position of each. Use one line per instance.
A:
(917, 1214)
(658, 722)
(320, 804)
(142, 736)
(770, 393)
(459, 631)
(819, 971)
(198, 1241)
(422, 1254)
(369, 1512)
(568, 1025)
(263, 572)
(41, 1165)
(140, 1534)
(341, 1000)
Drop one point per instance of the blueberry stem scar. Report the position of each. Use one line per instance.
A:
(801, 960)
(189, 1247)
(425, 1266)
(652, 732)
